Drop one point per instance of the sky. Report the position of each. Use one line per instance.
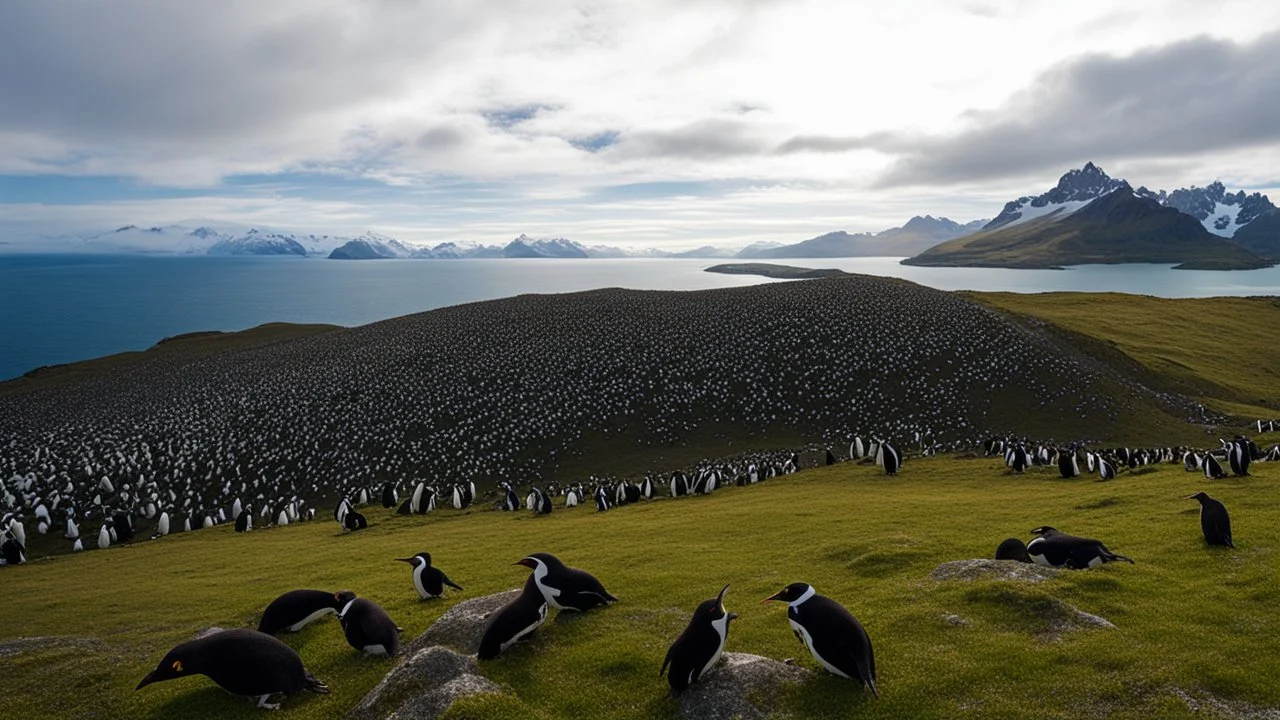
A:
(663, 123)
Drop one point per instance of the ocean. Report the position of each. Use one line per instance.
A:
(63, 308)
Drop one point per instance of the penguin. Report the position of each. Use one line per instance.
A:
(428, 580)
(162, 525)
(353, 520)
(892, 461)
(1106, 470)
(1213, 468)
(1068, 465)
(368, 627)
(340, 511)
(1054, 548)
(244, 521)
(1214, 521)
(565, 588)
(1239, 456)
(834, 637)
(390, 498)
(700, 646)
(542, 501)
(1013, 549)
(242, 662)
(13, 552)
(513, 621)
(296, 608)
(831, 459)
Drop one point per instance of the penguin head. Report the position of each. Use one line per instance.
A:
(789, 593)
(423, 558)
(341, 598)
(1044, 531)
(541, 559)
(176, 663)
(1200, 496)
(713, 609)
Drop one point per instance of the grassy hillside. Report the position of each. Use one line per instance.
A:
(1220, 350)
(1189, 620)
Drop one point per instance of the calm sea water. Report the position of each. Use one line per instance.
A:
(57, 309)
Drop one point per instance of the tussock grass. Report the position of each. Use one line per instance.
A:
(1188, 617)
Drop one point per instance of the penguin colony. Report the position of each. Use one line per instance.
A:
(173, 442)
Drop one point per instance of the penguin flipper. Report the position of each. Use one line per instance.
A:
(445, 579)
(666, 661)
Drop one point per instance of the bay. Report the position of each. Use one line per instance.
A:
(63, 308)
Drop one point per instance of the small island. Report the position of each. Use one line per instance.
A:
(780, 272)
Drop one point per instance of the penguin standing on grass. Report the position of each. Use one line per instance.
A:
(1214, 521)
(832, 634)
(563, 587)
(428, 580)
(297, 608)
(242, 662)
(700, 646)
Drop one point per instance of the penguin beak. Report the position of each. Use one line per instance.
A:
(525, 562)
(771, 598)
(1191, 497)
(733, 616)
(405, 560)
(150, 678)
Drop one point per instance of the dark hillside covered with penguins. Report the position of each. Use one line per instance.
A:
(506, 391)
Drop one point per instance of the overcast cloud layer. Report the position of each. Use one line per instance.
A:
(667, 121)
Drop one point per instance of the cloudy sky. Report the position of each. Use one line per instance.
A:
(673, 122)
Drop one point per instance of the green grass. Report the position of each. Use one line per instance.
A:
(1220, 350)
(1188, 617)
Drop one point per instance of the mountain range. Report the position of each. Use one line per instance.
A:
(919, 234)
(1090, 217)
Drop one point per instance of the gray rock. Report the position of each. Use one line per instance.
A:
(462, 625)
(984, 569)
(726, 692)
(423, 687)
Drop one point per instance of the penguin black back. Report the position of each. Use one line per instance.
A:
(242, 662)
(565, 588)
(832, 634)
(296, 608)
(513, 621)
(368, 627)
(700, 646)
(1215, 523)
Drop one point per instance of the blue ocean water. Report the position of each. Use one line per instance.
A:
(62, 308)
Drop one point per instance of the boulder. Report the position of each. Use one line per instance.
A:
(462, 625)
(423, 687)
(728, 691)
(984, 569)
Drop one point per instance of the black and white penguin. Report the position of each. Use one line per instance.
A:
(565, 588)
(1213, 468)
(699, 647)
(834, 636)
(367, 626)
(1068, 465)
(1239, 456)
(296, 608)
(1012, 549)
(891, 459)
(242, 662)
(390, 498)
(1054, 548)
(513, 621)
(541, 502)
(428, 580)
(354, 520)
(12, 551)
(244, 521)
(1214, 521)
(340, 511)
(1106, 469)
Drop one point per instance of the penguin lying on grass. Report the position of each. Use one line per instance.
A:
(242, 662)
(565, 588)
(513, 621)
(296, 608)
(367, 626)
(700, 646)
(1055, 548)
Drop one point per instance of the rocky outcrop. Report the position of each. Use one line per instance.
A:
(734, 687)
(423, 687)
(984, 569)
(462, 626)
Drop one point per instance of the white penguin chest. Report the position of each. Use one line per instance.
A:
(721, 627)
(548, 592)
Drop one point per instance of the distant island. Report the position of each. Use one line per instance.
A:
(781, 272)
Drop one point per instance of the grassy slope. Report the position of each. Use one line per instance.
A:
(1221, 350)
(1202, 620)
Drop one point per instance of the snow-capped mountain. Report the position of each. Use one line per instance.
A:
(527, 247)
(253, 243)
(1222, 213)
(1074, 190)
(918, 234)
